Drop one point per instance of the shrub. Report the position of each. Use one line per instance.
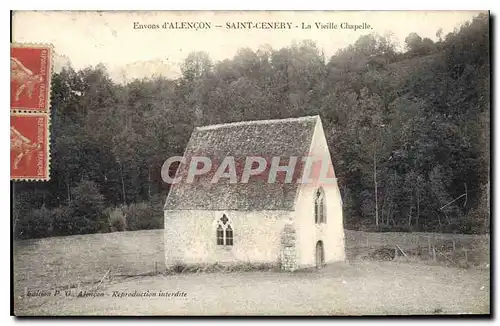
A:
(143, 216)
(41, 222)
(181, 268)
(86, 210)
(62, 217)
(117, 220)
(36, 224)
(177, 268)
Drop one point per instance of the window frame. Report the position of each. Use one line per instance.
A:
(226, 229)
(320, 207)
(220, 235)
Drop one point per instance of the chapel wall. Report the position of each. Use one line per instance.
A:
(190, 237)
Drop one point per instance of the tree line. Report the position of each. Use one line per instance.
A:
(408, 132)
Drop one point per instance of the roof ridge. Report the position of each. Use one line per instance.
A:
(252, 122)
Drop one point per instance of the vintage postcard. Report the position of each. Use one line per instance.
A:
(281, 163)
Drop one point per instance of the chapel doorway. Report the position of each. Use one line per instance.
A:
(320, 254)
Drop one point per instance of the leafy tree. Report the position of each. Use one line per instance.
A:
(86, 211)
(408, 131)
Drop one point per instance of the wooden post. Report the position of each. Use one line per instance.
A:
(103, 278)
(402, 251)
(26, 288)
(434, 253)
(454, 248)
(439, 252)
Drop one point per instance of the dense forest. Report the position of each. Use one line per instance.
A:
(408, 132)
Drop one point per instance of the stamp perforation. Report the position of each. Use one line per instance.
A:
(46, 176)
(49, 76)
(47, 112)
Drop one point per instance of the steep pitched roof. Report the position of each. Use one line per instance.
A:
(263, 138)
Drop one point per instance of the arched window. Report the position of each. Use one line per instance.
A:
(319, 207)
(220, 235)
(224, 232)
(229, 236)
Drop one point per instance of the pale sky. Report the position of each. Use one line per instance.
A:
(89, 38)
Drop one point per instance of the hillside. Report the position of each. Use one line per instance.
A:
(408, 132)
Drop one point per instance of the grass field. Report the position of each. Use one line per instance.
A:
(357, 287)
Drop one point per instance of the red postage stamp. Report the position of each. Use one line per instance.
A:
(30, 74)
(29, 147)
